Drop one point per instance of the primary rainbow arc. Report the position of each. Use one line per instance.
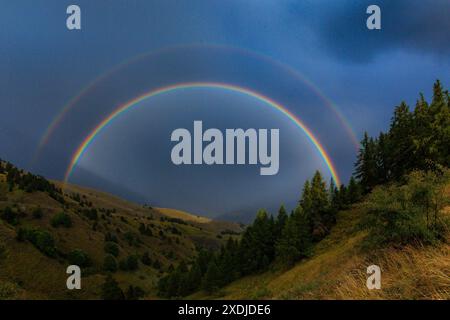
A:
(121, 109)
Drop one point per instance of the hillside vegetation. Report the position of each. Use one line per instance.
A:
(45, 226)
(393, 213)
(337, 269)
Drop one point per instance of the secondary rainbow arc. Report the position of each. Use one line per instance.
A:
(123, 108)
(74, 100)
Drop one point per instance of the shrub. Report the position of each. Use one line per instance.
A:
(41, 239)
(91, 214)
(408, 213)
(37, 213)
(79, 258)
(9, 216)
(61, 219)
(134, 293)
(145, 230)
(8, 290)
(2, 251)
(130, 263)
(111, 237)
(157, 264)
(146, 259)
(111, 248)
(132, 239)
(110, 263)
(111, 289)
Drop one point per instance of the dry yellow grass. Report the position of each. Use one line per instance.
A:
(174, 213)
(337, 270)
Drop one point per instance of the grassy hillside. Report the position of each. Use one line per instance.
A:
(337, 269)
(26, 272)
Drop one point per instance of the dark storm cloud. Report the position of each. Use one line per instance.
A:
(43, 66)
(408, 25)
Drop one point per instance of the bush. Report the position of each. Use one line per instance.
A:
(110, 263)
(9, 216)
(37, 213)
(146, 259)
(130, 263)
(132, 239)
(9, 291)
(111, 289)
(111, 248)
(91, 214)
(134, 293)
(79, 258)
(157, 264)
(111, 237)
(61, 219)
(2, 251)
(145, 230)
(41, 239)
(408, 213)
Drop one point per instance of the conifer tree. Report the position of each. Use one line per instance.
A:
(281, 221)
(366, 164)
(211, 280)
(257, 244)
(400, 137)
(295, 242)
(111, 289)
(353, 191)
(319, 215)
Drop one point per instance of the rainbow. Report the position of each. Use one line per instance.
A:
(57, 120)
(123, 108)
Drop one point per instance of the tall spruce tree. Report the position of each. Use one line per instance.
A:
(319, 215)
(212, 279)
(400, 136)
(295, 241)
(280, 222)
(366, 170)
(257, 244)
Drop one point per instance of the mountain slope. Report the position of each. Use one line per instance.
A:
(96, 218)
(337, 269)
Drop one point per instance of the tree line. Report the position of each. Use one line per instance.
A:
(16, 178)
(416, 140)
(269, 241)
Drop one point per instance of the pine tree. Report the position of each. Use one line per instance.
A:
(228, 263)
(111, 289)
(295, 242)
(281, 222)
(319, 215)
(212, 278)
(382, 159)
(305, 201)
(366, 170)
(183, 285)
(110, 263)
(400, 136)
(257, 242)
(194, 278)
(353, 191)
(146, 259)
(440, 126)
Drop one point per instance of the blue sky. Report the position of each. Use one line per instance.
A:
(259, 44)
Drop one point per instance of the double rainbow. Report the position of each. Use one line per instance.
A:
(72, 103)
(127, 106)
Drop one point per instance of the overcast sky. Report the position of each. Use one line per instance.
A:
(316, 58)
